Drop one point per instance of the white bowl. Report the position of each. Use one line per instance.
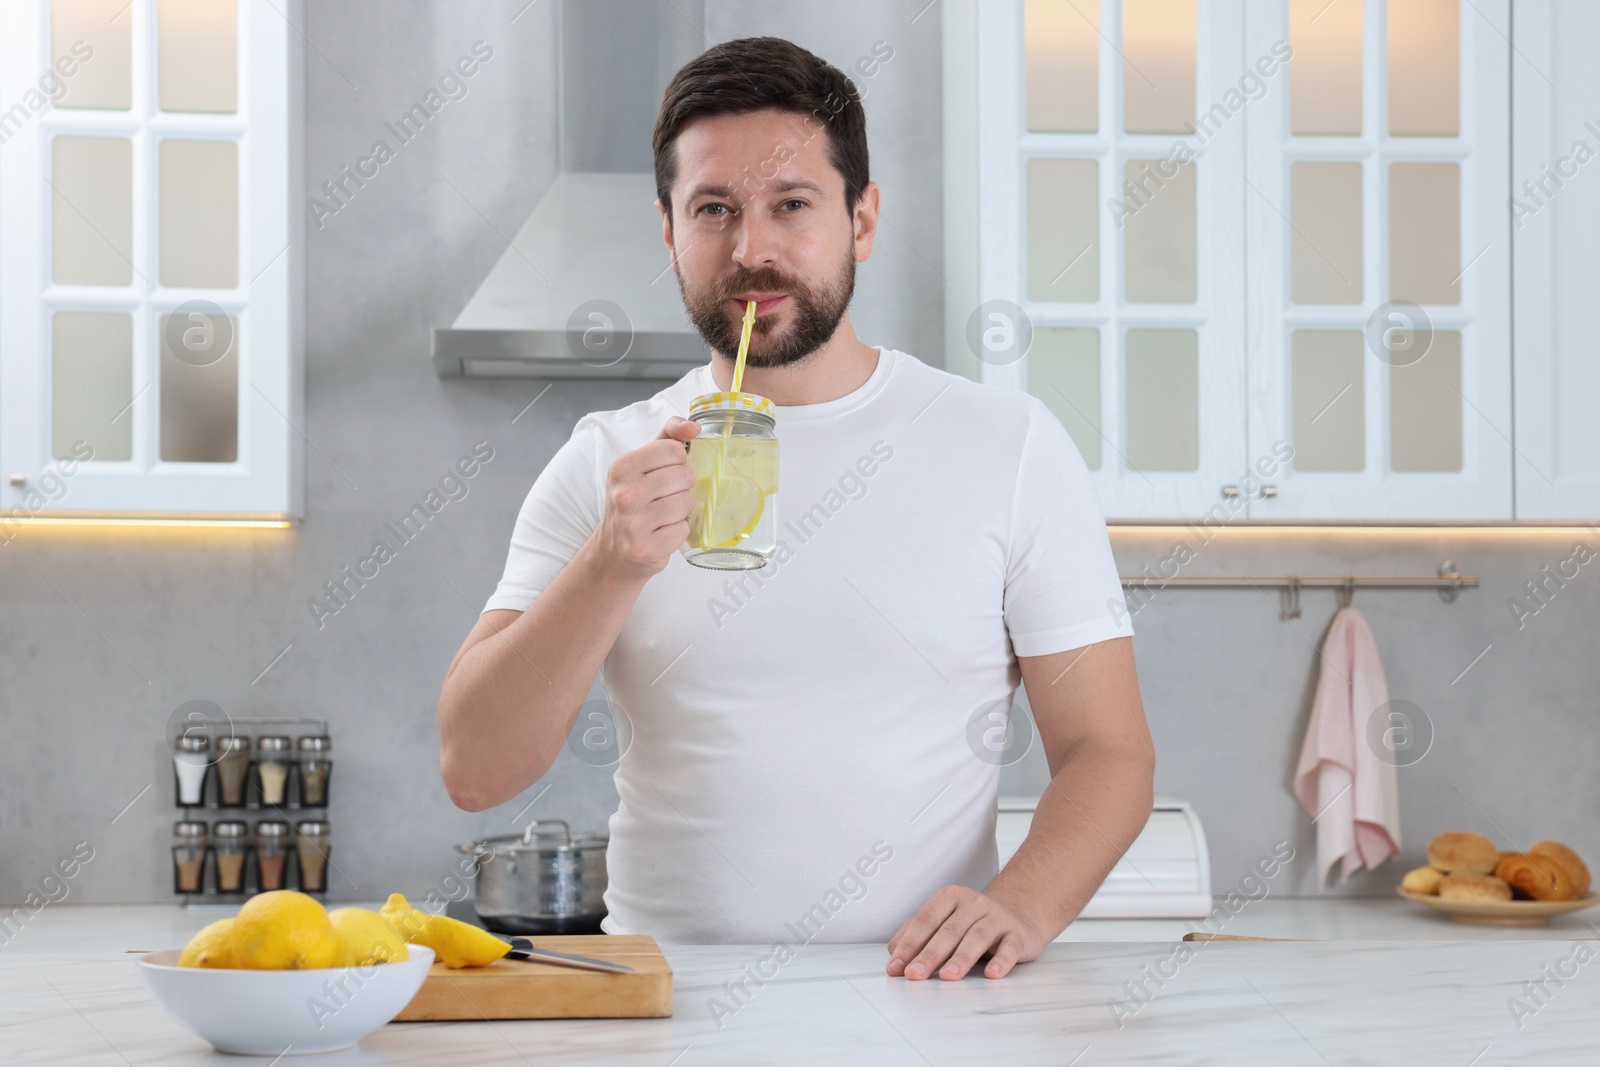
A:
(268, 1013)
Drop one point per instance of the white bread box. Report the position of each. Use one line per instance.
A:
(1165, 874)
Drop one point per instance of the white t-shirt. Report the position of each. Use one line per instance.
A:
(808, 757)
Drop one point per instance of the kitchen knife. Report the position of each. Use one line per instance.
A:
(523, 949)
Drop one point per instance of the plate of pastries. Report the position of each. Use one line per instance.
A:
(1470, 879)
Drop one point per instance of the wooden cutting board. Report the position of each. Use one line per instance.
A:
(516, 989)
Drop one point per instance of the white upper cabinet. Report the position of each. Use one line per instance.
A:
(1555, 229)
(1262, 247)
(150, 278)
(1378, 289)
(1113, 228)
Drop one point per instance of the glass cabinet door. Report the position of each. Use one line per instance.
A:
(1128, 213)
(1378, 280)
(1257, 250)
(148, 284)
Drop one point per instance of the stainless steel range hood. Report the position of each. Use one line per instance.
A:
(585, 289)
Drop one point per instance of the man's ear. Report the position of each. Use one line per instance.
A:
(864, 219)
(666, 224)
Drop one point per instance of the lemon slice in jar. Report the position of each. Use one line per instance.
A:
(727, 512)
(732, 482)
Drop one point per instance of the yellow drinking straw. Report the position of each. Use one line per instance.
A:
(721, 453)
(744, 345)
(738, 364)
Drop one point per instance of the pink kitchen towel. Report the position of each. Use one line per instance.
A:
(1345, 783)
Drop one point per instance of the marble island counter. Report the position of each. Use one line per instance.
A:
(1450, 994)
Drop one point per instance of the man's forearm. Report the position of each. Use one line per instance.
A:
(1094, 807)
(510, 700)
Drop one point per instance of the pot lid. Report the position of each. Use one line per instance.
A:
(540, 835)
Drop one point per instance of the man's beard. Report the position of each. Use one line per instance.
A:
(814, 313)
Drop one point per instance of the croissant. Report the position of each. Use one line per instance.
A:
(1536, 876)
(1569, 861)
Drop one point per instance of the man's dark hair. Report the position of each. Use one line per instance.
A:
(755, 74)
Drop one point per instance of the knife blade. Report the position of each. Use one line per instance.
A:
(523, 949)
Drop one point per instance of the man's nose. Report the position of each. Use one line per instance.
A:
(756, 244)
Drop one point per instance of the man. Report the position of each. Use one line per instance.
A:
(814, 744)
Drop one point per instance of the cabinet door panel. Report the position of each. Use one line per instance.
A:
(1118, 236)
(1389, 227)
(1555, 220)
(150, 268)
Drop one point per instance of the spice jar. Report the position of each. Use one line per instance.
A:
(316, 765)
(272, 770)
(233, 769)
(230, 844)
(272, 855)
(188, 856)
(191, 761)
(312, 846)
(734, 525)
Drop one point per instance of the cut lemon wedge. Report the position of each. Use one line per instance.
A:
(733, 478)
(726, 513)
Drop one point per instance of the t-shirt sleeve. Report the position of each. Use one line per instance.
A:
(1062, 588)
(557, 517)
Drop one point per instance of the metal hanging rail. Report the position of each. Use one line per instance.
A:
(1448, 582)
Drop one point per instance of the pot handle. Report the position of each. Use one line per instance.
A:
(527, 831)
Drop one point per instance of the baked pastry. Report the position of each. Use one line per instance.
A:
(1467, 885)
(1460, 850)
(1535, 875)
(1569, 862)
(1424, 880)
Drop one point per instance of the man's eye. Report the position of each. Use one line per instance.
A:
(707, 207)
(786, 203)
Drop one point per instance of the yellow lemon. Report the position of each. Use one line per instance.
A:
(733, 478)
(211, 947)
(283, 930)
(406, 920)
(457, 944)
(725, 512)
(365, 937)
(461, 944)
(738, 508)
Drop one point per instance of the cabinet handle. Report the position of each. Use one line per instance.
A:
(1269, 491)
(1230, 491)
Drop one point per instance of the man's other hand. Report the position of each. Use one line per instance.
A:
(957, 927)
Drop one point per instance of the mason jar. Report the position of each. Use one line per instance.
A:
(734, 525)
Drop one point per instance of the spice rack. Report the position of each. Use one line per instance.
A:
(278, 770)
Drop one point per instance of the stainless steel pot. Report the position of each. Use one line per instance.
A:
(541, 881)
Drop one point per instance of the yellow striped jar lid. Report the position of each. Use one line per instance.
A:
(731, 402)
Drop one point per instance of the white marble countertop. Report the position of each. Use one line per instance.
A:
(93, 929)
(1387, 987)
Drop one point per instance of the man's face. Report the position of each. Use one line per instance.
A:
(758, 212)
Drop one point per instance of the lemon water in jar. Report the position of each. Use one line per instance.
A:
(734, 525)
